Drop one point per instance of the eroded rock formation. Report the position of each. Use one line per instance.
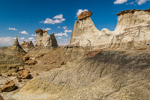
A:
(45, 40)
(15, 49)
(27, 46)
(132, 31)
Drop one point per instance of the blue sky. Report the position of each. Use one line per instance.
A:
(22, 17)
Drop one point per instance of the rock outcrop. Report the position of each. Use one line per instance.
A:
(27, 46)
(85, 14)
(132, 31)
(110, 75)
(15, 49)
(8, 86)
(45, 40)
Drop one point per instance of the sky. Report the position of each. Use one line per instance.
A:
(23, 17)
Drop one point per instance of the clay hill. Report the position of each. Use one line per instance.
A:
(96, 65)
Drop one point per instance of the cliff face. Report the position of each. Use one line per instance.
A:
(132, 31)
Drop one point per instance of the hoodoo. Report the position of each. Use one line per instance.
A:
(45, 40)
(15, 49)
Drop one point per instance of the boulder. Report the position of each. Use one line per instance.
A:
(1, 98)
(32, 62)
(85, 14)
(8, 86)
(0, 90)
(0, 74)
(14, 74)
(26, 58)
(62, 63)
(21, 68)
(26, 75)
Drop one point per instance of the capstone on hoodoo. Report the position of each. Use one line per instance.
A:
(45, 40)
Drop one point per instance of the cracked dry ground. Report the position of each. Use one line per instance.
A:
(109, 75)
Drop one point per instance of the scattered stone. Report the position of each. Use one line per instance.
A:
(32, 62)
(8, 86)
(26, 75)
(20, 72)
(26, 58)
(1, 98)
(62, 63)
(26, 71)
(53, 62)
(9, 74)
(85, 14)
(14, 74)
(21, 68)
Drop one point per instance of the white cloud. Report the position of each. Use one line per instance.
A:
(59, 38)
(31, 38)
(46, 28)
(56, 19)
(131, 3)
(22, 38)
(23, 32)
(33, 35)
(80, 11)
(140, 2)
(65, 27)
(6, 41)
(68, 31)
(14, 29)
(61, 34)
(58, 26)
(120, 1)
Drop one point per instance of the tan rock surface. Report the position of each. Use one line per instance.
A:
(8, 86)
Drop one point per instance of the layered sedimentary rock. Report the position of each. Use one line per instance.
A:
(15, 49)
(45, 40)
(9, 63)
(132, 31)
(27, 46)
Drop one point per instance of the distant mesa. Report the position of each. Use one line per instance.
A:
(85, 14)
(45, 40)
